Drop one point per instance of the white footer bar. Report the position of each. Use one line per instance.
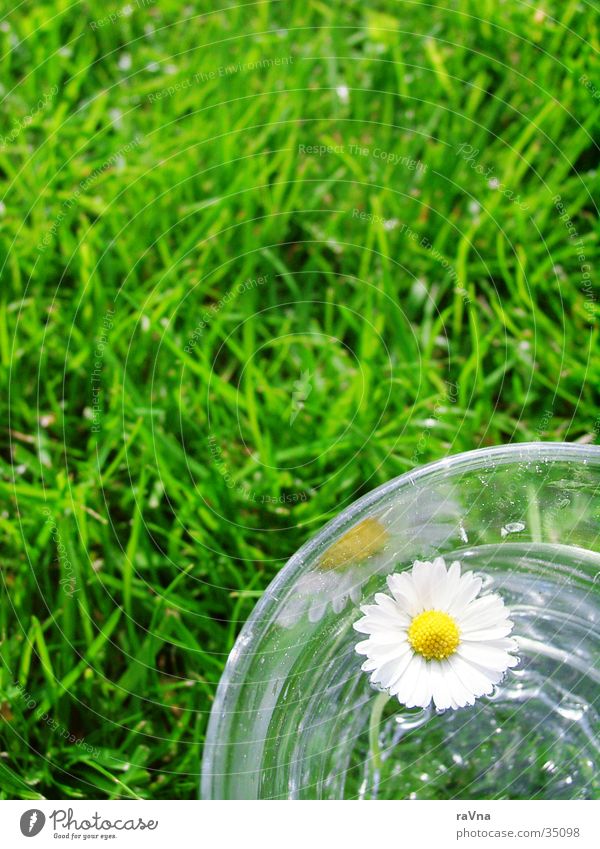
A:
(301, 825)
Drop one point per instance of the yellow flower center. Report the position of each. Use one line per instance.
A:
(434, 634)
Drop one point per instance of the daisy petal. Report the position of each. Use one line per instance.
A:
(483, 610)
(422, 692)
(376, 616)
(494, 676)
(392, 608)
(387, 673)
(401, 667)
(467, 590)
(484, 655)
(459, 693)
(496, 632)
(378, 659)
(439, 688)
(475, 681)
(385, 642)
(506, 644)
(423, 583)
(403, 591)
(445, 588)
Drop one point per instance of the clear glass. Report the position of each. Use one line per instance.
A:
(294, 716)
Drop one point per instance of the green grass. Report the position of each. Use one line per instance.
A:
(136, 540)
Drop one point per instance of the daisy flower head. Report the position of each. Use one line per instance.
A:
(434, 639)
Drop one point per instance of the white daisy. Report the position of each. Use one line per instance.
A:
(434, 639)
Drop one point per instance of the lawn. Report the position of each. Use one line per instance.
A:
(256, 261)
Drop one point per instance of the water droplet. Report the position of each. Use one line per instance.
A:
(512, 528)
